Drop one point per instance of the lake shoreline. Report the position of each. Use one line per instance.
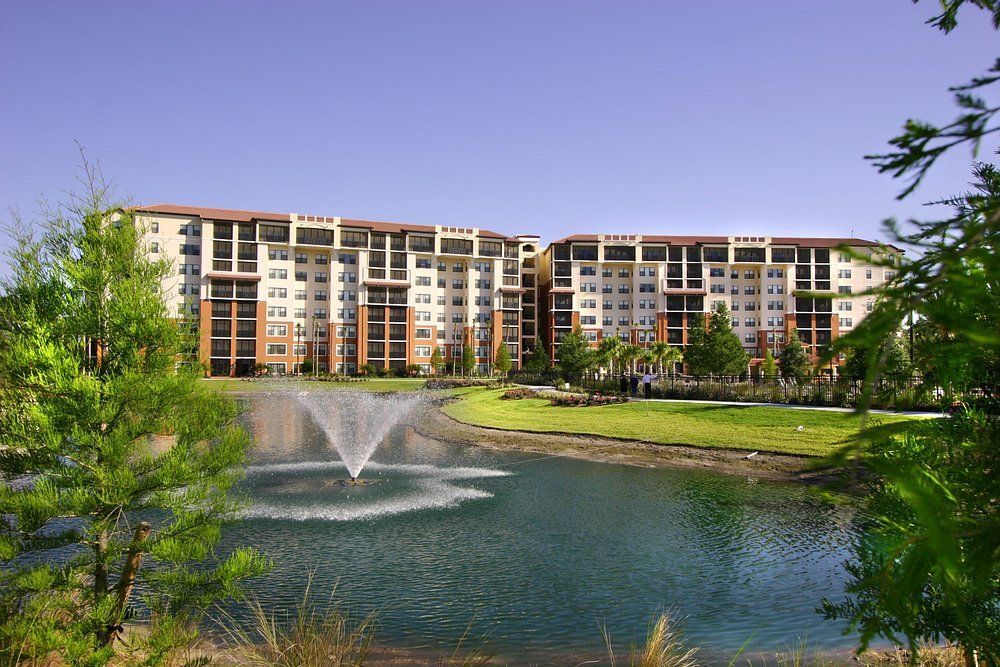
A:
(764, 465)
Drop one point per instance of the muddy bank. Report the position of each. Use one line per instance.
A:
(782, 467)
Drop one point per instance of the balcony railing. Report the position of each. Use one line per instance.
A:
(378, 274)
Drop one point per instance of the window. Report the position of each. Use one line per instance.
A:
(889, 275)
(624, 305)
(624, 289)
(775, 273)
(422, 316)
(749, 275)
(422, 334)
(457, 301)
(301, 294)
(347, 277)
(347, 332)
(483, 283)
(588, 319)
(190, 249)
(844, 273)
(606, 272)
(320, 276)
(421, 298)
(734, 306)
(750, 322)
(775, 289)
(845, 306)
(606, 320)
(423, 263)
(301, 258)
(423, 281)
(301, 276)
(623, 321)
(458, 267)
(624, 273)
(346, 295)
(750, 305)
(277, 293)
(347, 258)
(321, 258)
(300, 313)
(277, 274)
(715, 272)
(717, 288)
(647, 287)
(277, 329)
(422, 350)
(736, 322)
(154, 227)
(154, 246)
(749, 289)
(844, 289)
(588, 287)
(607, 289)
(846, 322)
(588, 270)
(346, 314)
(734, 289)
(457, 284)
(321, 295)
(277, 349)
(749, 338)
(350, 349)
(275, 254)
(277, 311)
(320, 313)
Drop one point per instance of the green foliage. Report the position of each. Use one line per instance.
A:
(111, 430)
(538, 361)
(769, 367)
(306, 367)
(503, 362)
(793, 359)
(608, 352)
(437, 361)
(714, 349)
(893, 360)
(928, 567)
(574, 355)
(468, 359)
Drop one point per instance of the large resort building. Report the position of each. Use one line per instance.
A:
(283, 288)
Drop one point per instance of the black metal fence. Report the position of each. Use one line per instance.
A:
(909, 394)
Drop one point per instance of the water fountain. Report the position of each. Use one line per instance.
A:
(356, 422)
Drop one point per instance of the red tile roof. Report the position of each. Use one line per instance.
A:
(228, 214)
(235, 215)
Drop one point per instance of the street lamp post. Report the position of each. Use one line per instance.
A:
(298, 348)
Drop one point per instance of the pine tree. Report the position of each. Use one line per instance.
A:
(131, 459)
(793, 359)
(574, 355)
(437, 361)
(468, 359)
(769, 367)
(727, 354)
(503, 362)
(714, 349)
(538, 361)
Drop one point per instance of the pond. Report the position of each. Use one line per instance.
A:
(531, 555)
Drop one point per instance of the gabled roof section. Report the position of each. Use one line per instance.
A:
(801, 241)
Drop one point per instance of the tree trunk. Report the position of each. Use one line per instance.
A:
(126, 582)
(100, 565)
(971, 657)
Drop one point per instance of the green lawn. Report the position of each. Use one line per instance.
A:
(374, 384)
(738, 427)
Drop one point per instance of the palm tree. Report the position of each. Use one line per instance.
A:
(672, 357)
(628, 356)
(658, 350)
(646, 357)
(608, 350)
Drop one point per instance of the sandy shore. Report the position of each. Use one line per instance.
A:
(783, 467)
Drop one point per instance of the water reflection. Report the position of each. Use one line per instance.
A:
(537, 554)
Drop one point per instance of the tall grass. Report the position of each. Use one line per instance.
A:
(663, 647)
(312, 637)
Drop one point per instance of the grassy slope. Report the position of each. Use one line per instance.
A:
(738, 427)
(374, 384)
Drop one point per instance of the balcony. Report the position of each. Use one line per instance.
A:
(669, 286)
(387, 278)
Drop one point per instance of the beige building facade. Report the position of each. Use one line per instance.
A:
(282, 288)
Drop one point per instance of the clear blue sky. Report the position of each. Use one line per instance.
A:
(550, 117)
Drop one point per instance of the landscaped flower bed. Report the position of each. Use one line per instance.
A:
(582, 400)
(516, 394)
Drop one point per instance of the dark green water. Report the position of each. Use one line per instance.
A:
(533, 556)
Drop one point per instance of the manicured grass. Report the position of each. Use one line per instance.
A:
(374, 384)
(738, 427)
